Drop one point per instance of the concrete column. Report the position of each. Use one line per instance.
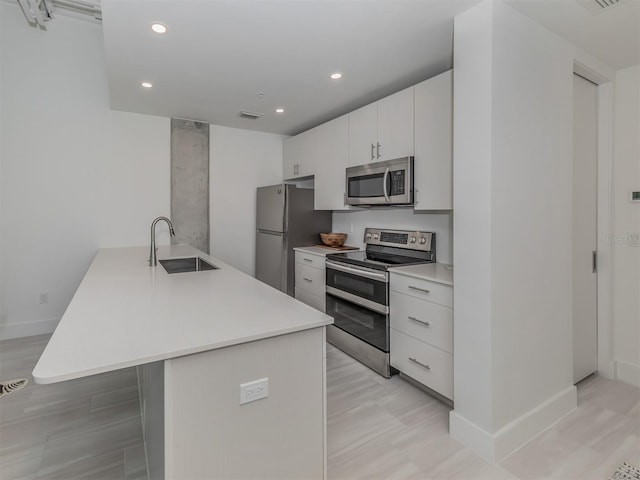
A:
(190, 182)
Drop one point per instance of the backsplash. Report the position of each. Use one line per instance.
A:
(354, 222)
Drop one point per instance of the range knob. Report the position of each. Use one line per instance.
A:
(368, 235)
(412, 239)
(423, 240)
(376, 236)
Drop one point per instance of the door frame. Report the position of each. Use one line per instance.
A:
(604, 83)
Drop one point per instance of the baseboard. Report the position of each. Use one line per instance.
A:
(495, 447)
(28, 329)
(627, 372)
(472, 436)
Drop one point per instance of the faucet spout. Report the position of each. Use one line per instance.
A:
(153, 257)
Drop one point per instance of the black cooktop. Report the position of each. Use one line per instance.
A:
(380, 260)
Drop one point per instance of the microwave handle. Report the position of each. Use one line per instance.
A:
(384, 185)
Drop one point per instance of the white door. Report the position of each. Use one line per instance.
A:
(585, 294)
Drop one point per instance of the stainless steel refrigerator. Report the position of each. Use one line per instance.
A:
(285, 220)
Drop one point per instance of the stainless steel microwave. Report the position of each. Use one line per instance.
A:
(381, 183)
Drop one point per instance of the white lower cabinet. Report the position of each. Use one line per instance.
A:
(316, 301)
(428, 365)
(310, 279)
(421, 323)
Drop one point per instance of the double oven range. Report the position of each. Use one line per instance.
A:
(358, 292)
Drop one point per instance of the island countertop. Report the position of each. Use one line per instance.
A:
(126, 313)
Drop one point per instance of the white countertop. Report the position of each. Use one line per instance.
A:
(324, 251)
(435, 272)
(126, 313)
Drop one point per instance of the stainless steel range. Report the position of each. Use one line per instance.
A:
(358, 292)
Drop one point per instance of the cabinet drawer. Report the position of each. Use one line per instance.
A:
(435, 367)
(424, 289)
(318, 302)
(426, 321)
(310, 279)
(316, 261)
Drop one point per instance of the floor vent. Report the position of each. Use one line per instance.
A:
(626, 471)
(11, 386)
(599, 6)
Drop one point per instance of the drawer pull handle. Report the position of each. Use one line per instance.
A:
(421, 322)
(423, 365)
(308, 260)
(412, 287)
(307, 279)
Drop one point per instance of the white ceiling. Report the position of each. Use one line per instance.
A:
(612, 36)
(219, 55)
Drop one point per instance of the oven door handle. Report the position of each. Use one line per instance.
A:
(384, 185)
(363, 302)
(383, 277)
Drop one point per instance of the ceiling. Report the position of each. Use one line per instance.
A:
(221, 57)
(612, 36)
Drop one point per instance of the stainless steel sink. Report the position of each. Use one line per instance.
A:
(190, 264)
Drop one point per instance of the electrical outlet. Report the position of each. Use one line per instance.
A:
(252, 391)
(43, 298)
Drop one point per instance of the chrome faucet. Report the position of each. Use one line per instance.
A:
(153, 257)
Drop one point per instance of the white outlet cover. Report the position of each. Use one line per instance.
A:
(255, 390)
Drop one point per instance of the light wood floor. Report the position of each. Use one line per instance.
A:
(85, 428)
(377, 428)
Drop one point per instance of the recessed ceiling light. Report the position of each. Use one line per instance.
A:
(279, 110)
(146, 84)
(158, 28)
(336, 76)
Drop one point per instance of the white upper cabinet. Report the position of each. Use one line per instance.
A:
(298, 156)
(363, 135)
(395, 125)
(417, 121)
(433, 163)
(382, 130)
(331, 153)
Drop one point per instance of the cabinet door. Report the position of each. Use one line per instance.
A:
(331, 155)
(433, 143)
(363, 127)
(298, 156)
(395, 125)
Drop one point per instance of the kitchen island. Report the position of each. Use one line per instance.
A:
(197, 337)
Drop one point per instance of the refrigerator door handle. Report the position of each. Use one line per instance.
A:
(270, 232)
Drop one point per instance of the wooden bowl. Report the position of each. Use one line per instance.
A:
(333, 239)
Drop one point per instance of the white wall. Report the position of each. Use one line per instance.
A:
(353, 222)
(240, 161)
(2, 308)
(473, 386)
(516, 75)
(75, 175)
(625, 238)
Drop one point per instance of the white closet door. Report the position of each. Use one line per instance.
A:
(585, 182)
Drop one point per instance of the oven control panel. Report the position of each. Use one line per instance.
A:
(414, 240)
